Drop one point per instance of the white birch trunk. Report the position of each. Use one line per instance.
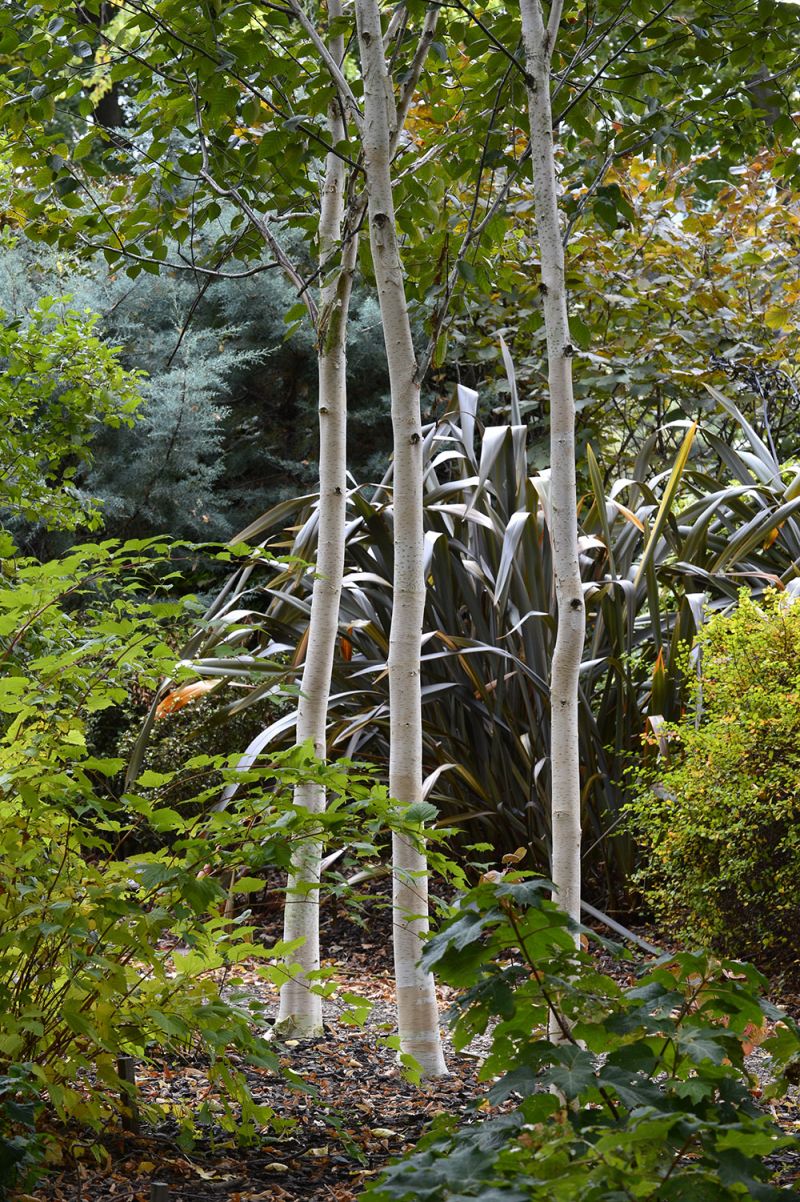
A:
(301, 1010)
(417, 1009)
(564, 745)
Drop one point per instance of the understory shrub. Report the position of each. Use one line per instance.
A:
(85, 974)
(21, 1146)
(59, 384)
(113, 936)
(718, 818)
(645, 1096)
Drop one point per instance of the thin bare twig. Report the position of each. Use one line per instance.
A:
(349, 102)
(415, 70)
(600, 72)
(440, 313)
(256, 220)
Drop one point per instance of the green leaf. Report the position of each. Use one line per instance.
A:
(667, 501)
(574, 1073)
(700, 1044)
(467, 271)
(249, 884)
(420, 812)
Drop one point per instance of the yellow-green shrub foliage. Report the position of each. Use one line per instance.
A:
(719, 820)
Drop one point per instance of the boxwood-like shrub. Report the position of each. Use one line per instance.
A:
(718, 820)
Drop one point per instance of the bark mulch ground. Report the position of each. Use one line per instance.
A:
(361, 1115)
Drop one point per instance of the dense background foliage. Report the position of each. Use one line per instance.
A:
(226, 421)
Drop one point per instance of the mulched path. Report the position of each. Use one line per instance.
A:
(363, 1113)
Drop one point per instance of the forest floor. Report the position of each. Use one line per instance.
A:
(362, 1112)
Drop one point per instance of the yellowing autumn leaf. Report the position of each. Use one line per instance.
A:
(778, 318)
(629, 514)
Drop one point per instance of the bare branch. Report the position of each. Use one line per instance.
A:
(214, 273)
(553, 23)
(397, 23)
(417, 63)
(280, 256)
(357, 205)
(349, 102)
(495, 41)
(587, 47)
(120, 248)
(472, 235)
(600, 72)
(430, 154)
(256, 220)
(587, 196)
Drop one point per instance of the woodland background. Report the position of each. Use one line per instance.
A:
(161, 168)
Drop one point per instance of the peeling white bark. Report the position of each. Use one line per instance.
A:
(564, 746)
(417, 1010)
(301, 1010)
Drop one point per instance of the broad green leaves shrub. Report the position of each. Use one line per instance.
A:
(82, 974)
(20, 1144)
(719, 818)
(58, 381)
(105, 948)
(646, 1096)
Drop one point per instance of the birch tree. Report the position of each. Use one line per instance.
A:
(300, 1008)
(662, 103)
(417, 1010)
(539, 41)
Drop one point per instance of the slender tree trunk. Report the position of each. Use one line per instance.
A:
(564, 746)
(300, 1009)
(417, 1010)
